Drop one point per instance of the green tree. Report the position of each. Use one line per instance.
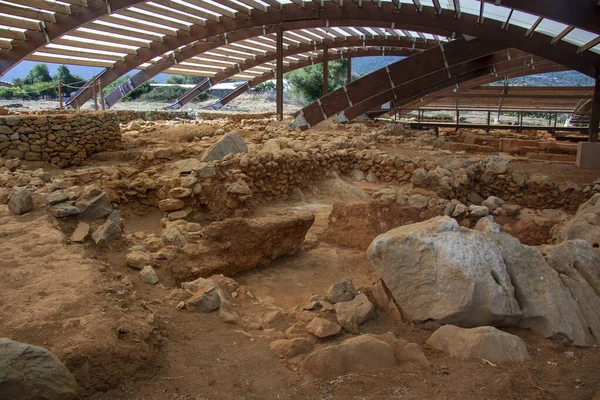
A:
(39, 73)
(176, 79)
(65, 77)
(307, 83)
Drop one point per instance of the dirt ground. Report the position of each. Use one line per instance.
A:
(76, 300)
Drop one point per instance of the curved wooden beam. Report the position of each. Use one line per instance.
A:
(400, 46)
(302, 64)
(385, 15)
(584, 14)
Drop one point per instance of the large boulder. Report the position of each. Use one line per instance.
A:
(585, 224)
(548, 306)
(485, 342)
(359, 354)
(239, 244)
(230, 143)
(436, 270)
(489, 278)
(29, 372)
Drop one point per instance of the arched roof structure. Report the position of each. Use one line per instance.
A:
(122, 35)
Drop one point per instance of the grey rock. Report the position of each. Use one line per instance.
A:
(115, 217)
(230, 143)
(351, 314)
(29, 372)
(56, 197)
(413, 259)
(94, 204)
(341, 291)
(21, 202)
(484, 342)
(106, 233)
(205, 298)
(63, 210)
(148, 275)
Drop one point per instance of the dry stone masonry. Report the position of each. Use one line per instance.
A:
(63, 140)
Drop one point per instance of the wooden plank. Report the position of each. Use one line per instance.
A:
(138, 25)
(16, 35)
(78, 3)
(75, 53)
(257, 6)
(20, 23)
(72, 61)
(45, 5)
(213, 8)
(170, 13)
(94, 46)
(109, 38)
(12, 9)
(137, 36)
(188, 10)
(137, 13)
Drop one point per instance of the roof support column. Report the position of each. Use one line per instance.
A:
(325, 70)
(349, 70)
(595, 115)
(279, 73)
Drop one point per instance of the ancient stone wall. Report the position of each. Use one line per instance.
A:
(63, 140)
(238, 183)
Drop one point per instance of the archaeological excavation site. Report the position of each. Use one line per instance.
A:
(289, 225)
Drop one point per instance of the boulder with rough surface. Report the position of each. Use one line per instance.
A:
(585, 224)
(359, 354)
(230, 143)
(239, 244)
(29, 372)
(412, 260)
(484, 342)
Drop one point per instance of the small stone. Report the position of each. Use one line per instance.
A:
(148, 274)
(171, 204)
(478, 211)
(63, 210)
(115, 217)
(290, 348)
(352, 314)
(94, 204)
(21, 202)
(341, 291)
(239, 187)
(323, 328)
(81, 232)
(180, 192)
(57, 197)
(205, 300)
(137, 259)
(107, 232)
(172, 237)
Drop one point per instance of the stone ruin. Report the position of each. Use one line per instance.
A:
(473, 250)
